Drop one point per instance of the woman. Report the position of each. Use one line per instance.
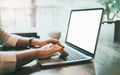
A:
(9, 61)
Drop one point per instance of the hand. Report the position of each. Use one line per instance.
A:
(46, 52)
(40, 43)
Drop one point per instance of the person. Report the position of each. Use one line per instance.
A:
(11, 60)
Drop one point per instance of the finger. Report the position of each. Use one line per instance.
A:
(60, 45)
(47, 46)
(63, 52)
(60, 49)
(54, 41)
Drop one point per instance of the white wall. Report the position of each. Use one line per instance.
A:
(107, 32)
(53, 15)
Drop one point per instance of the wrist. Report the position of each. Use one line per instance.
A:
(36, 42)
(30, 41)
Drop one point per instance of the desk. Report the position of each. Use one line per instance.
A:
(106, 62)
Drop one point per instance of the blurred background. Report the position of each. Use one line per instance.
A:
(44, 16)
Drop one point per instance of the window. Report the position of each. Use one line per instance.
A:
(18, 13)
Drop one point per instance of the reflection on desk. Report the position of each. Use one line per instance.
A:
(106, 62)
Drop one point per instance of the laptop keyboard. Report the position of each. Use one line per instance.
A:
(72, 55)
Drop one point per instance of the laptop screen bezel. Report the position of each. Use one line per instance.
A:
(78, 48)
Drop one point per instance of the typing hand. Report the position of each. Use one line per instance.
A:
(61, 49)
(48, 50)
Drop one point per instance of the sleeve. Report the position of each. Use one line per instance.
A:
(7, 63)
(7, 39)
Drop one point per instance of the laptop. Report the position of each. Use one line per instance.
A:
(81, 37)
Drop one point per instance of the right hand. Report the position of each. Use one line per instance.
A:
(46, 52)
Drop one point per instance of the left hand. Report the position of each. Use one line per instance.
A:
(40, 43)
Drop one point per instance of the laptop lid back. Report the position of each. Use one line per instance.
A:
(83, 29)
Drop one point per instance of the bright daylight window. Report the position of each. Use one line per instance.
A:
(18, 14)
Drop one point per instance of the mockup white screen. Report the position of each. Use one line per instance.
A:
(83, 29)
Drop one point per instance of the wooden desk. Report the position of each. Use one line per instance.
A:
(106, 62)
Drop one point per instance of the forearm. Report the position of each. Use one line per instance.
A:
(35, 42)
(24, 57)
(22, 42)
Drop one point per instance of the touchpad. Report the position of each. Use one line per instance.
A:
(52, 60)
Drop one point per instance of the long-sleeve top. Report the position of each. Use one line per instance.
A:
(7, 61)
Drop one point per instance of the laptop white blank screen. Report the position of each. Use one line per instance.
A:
(83, 29)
